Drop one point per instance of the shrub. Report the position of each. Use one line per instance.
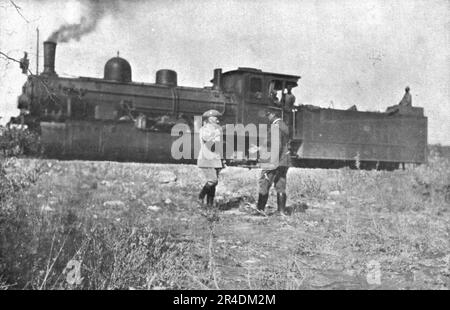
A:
(18, 141)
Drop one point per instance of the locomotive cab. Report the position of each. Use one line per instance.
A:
(255, 91)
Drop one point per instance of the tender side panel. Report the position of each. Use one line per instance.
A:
(371, 136)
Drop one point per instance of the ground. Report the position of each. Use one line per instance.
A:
(349, 229)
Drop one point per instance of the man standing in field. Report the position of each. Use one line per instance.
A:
(274, 169)
(209, 159)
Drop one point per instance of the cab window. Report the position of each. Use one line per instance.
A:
(276, 90)
(256, 87)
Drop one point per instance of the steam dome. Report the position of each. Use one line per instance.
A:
(118, 69)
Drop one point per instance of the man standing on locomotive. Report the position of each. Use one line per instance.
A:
(209, 158)
(288, 101)
(274, 170)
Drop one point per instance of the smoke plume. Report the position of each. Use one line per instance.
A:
(94, 11)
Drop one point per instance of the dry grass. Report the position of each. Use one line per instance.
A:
(120, 227)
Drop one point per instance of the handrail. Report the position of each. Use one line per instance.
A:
(174, 101)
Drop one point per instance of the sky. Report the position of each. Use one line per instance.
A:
(348, 52)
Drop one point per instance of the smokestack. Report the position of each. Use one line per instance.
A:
(217, 79)
(49, 58)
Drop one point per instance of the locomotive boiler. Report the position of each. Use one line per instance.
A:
(116, 118)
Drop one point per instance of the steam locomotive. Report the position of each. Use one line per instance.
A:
(116, 118)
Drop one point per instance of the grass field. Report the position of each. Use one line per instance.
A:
(107, 225)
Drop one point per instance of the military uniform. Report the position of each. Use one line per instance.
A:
(288, 106)
(289, 100)
(209, 159)
(274, 170)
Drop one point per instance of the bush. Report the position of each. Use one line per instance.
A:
(16, 141)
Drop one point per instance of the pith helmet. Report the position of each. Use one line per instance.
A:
(271, 111)
(212, 113)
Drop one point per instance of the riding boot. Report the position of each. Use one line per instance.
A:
(281, 203)
(210, 196)
(206, 188)
(262, 201)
